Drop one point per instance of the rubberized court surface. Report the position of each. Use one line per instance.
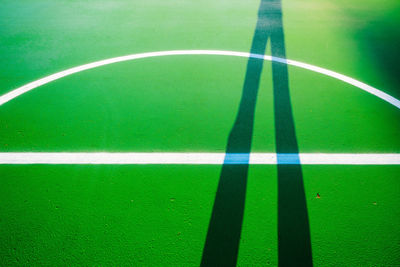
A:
(213, 133)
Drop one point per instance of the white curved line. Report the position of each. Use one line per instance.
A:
(30, 86)
(196, 158)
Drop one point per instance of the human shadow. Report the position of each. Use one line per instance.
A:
(294, 242)
(222, 242)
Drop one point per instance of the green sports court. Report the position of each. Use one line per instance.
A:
(200, 133)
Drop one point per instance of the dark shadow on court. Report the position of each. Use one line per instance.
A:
(223, 237)
(380, 37)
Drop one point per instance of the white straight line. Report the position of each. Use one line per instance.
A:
(197, 158)
(30, 86)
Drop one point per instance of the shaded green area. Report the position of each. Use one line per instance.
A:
(374, 26)
(381, 37)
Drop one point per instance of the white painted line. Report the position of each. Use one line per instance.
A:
(350, 159)
(197, 158)
(30, 86)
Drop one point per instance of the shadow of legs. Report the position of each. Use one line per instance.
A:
(223, 236)
(294, 244)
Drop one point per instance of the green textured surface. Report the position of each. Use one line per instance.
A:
(158, 215)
